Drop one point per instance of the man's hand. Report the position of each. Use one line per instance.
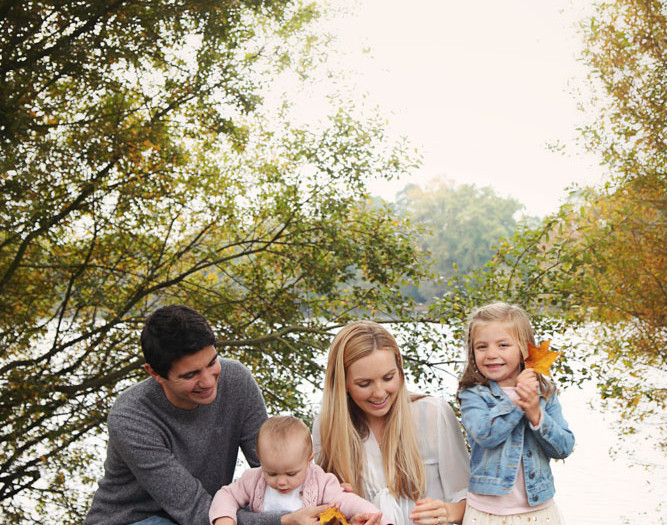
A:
(305, 516)
(226, 520)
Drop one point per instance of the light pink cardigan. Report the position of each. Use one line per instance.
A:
(318, 488)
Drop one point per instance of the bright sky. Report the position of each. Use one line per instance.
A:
(481, 88)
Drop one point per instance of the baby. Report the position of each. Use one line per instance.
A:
(287, 479)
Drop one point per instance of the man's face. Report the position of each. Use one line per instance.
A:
(192, 380)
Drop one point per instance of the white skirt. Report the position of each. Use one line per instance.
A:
(546, 516)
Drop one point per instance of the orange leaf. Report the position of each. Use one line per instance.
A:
(540, 359)
(333, 516)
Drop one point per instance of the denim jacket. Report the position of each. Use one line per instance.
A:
(500, 437)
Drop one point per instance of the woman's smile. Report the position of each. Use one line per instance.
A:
(373, 381)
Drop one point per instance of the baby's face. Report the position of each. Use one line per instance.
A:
(284, 467)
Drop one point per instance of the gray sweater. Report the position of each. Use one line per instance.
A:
(165, 461)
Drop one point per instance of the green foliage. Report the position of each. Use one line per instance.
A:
(597, 268)
(138, 170)
(462, 226)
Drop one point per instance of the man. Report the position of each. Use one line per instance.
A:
(174, 437)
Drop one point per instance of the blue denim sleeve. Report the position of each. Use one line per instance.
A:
(554, 436)
(488, 420)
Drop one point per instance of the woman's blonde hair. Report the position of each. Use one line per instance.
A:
(343, 425)
(518, 324)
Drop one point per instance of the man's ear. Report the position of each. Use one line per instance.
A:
(153, 373)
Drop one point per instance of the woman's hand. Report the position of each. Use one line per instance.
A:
(305, 516)
(366, 519)
(430, 511)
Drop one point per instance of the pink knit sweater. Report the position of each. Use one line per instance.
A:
(318, 488)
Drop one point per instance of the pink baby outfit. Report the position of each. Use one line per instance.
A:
(318, 488)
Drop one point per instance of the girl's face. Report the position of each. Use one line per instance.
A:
(373, 382)
(497, 353)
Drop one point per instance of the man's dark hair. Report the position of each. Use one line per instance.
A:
(172, 332)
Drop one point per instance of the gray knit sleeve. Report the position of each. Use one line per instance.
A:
(244, 517)
(255, 415)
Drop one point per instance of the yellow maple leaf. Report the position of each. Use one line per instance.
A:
(333, 516)
(541, 358)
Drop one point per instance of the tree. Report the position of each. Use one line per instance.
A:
(599, 263)
(138, 170)
(462, 226)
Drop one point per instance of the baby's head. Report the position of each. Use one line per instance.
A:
(285, 450)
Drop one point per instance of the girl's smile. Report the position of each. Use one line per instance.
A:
(497, 354)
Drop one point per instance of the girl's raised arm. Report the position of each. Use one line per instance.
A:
(489, 420)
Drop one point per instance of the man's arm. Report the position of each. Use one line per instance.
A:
(255, 415)
(157, 470)
(244, 517)
(305, 516)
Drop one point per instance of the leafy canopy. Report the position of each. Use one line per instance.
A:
(138, 169)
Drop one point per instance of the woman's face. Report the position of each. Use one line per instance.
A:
(373, 382)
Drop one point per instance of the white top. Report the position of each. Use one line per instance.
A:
(443, 451)
(275, 501)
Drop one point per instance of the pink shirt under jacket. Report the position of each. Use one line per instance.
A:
(318, 488)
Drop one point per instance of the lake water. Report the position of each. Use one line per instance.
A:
(591, 487)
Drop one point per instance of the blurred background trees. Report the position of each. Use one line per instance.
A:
(142, 165)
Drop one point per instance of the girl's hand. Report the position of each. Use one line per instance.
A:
(527, 388)
(430, 511)
(528, 378)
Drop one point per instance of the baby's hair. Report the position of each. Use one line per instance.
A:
(281, 428)
(518, 323)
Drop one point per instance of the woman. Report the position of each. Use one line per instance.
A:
(403, 452)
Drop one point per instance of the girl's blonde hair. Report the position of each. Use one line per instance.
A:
(343, 424)
(519, 326)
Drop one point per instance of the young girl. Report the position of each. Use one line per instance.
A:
(404, 452)
(287, 479)
(513, 420)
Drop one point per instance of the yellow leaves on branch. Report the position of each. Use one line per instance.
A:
(333, 516)
(541, 358)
